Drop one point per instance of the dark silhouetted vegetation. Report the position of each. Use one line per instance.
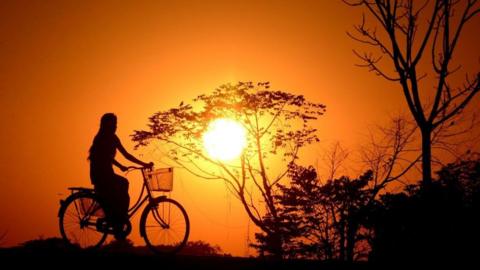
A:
(322, 221)
(201, 248)
(42, 243)
(339, 220)
(55, 244)
(438, 224)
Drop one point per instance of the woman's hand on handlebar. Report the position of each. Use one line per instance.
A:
(132, 168)
(148, 165)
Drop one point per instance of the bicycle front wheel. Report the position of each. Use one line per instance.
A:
(165, 226)
(79, 218)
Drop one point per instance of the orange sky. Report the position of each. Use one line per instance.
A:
(65, 63)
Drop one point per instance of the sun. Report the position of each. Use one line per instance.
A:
(224, 139)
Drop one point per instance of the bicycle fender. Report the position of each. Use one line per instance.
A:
(62, 205)
(159, 199)
(144, 213)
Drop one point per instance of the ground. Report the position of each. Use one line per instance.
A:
(50, 258)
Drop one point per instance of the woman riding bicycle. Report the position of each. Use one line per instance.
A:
(111, 188)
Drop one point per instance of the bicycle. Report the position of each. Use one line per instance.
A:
(164, 223)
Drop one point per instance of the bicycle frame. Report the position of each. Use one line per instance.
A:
(148, 196)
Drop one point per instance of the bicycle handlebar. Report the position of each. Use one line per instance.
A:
(133, 168)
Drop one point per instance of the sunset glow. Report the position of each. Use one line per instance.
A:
(66, 63)
(224, 139)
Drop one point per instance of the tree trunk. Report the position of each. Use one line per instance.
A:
(426, 157)
(276, 245)
(352, 228)
(342, 240)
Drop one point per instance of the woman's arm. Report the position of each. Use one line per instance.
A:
(120, 166)
(129, 156)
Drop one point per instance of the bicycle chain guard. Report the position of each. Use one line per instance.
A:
(104, 226)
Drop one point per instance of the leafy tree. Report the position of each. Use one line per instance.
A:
(278, 125)
(323, 221)
(403, 32)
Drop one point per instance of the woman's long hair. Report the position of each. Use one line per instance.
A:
(108, 126)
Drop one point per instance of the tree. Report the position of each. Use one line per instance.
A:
(402, 42)
(323, 220)
(278, 125)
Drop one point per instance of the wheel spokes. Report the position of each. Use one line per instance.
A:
(79, 220)
(166, 227)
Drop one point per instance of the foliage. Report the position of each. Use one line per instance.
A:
(46, 244)
(438, 224)
(245, 102)
(322, 221)
(202, 248)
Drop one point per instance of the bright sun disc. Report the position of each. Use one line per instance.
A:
(224, 139)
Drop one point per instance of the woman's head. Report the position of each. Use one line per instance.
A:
(103, 142)
(108, 124)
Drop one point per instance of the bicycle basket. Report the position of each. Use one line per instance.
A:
(160, 179)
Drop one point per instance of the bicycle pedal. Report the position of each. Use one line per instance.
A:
(103, 226)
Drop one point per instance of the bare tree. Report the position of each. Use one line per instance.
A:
(334, 159)
(399, 38)
(390, 152)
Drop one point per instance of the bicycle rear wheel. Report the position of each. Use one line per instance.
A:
(79, 218)
(165, 226)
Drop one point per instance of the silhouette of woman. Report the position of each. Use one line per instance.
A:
(111, 188)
